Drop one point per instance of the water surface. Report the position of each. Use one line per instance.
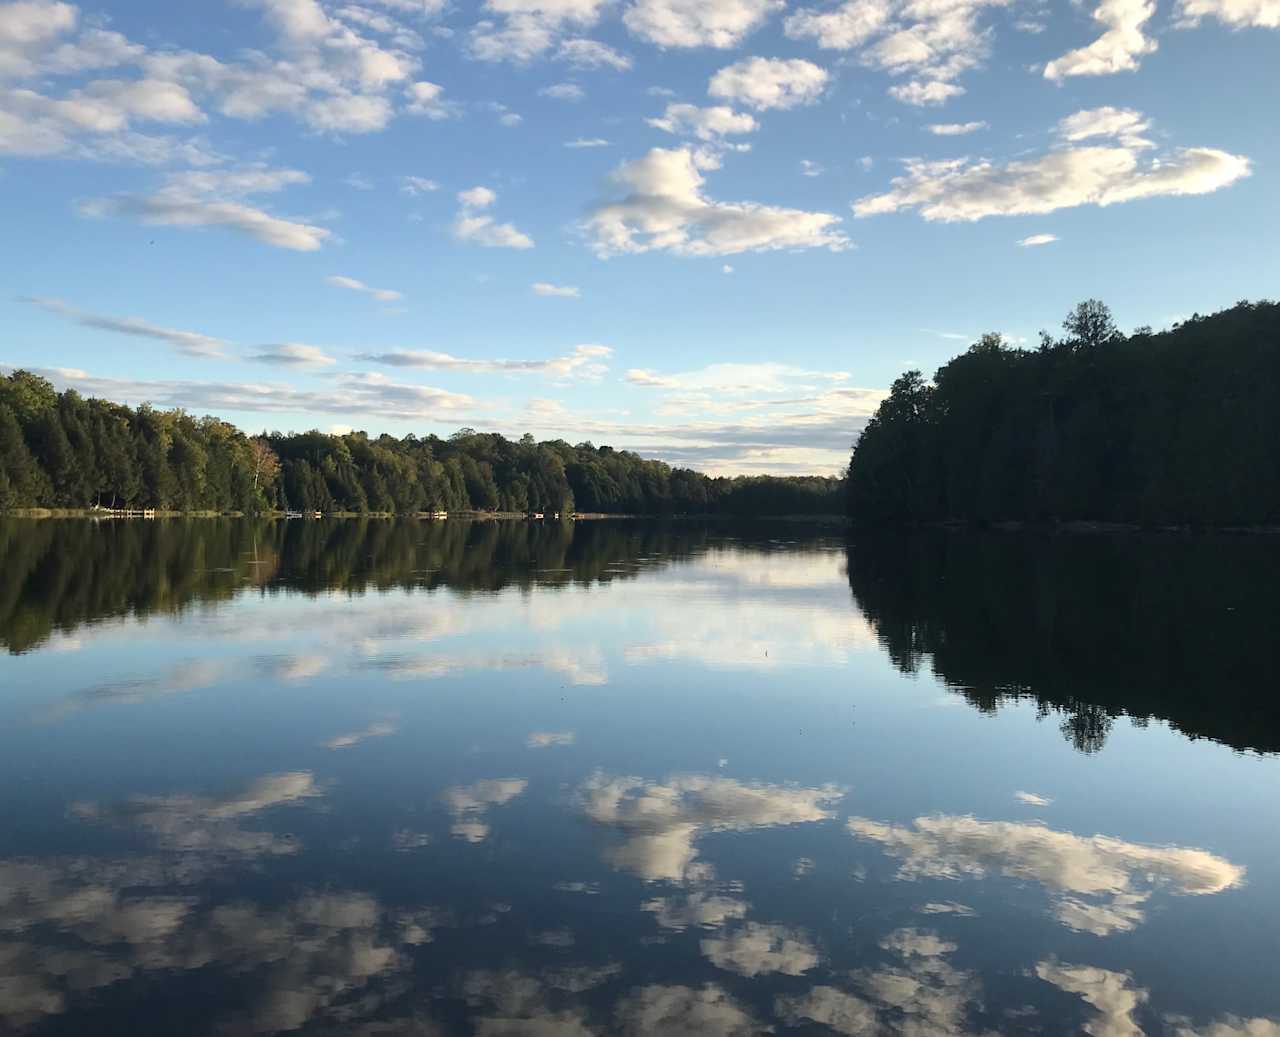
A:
(409, 778)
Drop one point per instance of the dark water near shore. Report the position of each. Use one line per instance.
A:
(383, 778)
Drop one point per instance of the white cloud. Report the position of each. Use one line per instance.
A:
(1037, 239)
(427, 99)
(757, 949)
(1032, 799)
(1073, 175)
(190, 343)
(585, 361)
(474, 225)
(809, 168)
(733, 379)
(726, 269)
(1124, 124)
(417, 185)
(1112, 994)
(293, 354)
(351, 284)
(564, 291)
(1097, 884)
(708, 124)
(662, 821)
(722, 24)
(664, 209)
(584, 53)
(530, 28)
(353, 394)
(920, 994)
(213, 199)
(696, 911)
(764, 83)
(587, 142)
(1261, 14)
(843, 27)
(925, 93)
(1117, 49)
(955, 129)
(470, 803)
(679, 1011)
(563, 92)
(932, 42)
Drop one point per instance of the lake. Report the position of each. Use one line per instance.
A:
(390, 778)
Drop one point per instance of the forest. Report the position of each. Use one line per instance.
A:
(1172, 428)
(61, 450)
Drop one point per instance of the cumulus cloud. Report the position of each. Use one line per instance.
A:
(679, 1010)
(932, 43)
(1074, 174)
(1118, 49)
(1111, 994)
(427, 99)
(584, 53)
(585, 361)
(1239, 14)
(1097, 884)
(698, 23)
(475, 225)
(351, 284)
(925, 93)
(922, 993)
(699, 910)
(526, 29)
(189, 343)
(709, 124)
(470, 803)
(662, 821)
(757, 949)
(764, 83)
(663, 209)
(563, 291)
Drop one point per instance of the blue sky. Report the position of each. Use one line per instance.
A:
(710, 230)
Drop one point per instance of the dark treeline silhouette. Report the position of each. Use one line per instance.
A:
(61, 574)
(60, 450)
(1180, 427)
(1091, 627)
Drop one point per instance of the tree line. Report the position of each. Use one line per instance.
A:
(1180, 427)
(61, 450)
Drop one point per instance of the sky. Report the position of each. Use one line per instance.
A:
(711, 231)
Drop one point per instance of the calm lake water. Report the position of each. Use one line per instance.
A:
(401, 778)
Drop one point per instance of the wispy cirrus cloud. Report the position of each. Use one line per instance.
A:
(351, 284)
(584, 361)
(189, 343)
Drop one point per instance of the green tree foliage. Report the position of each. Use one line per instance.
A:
(1176, 428)
(68, 452)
